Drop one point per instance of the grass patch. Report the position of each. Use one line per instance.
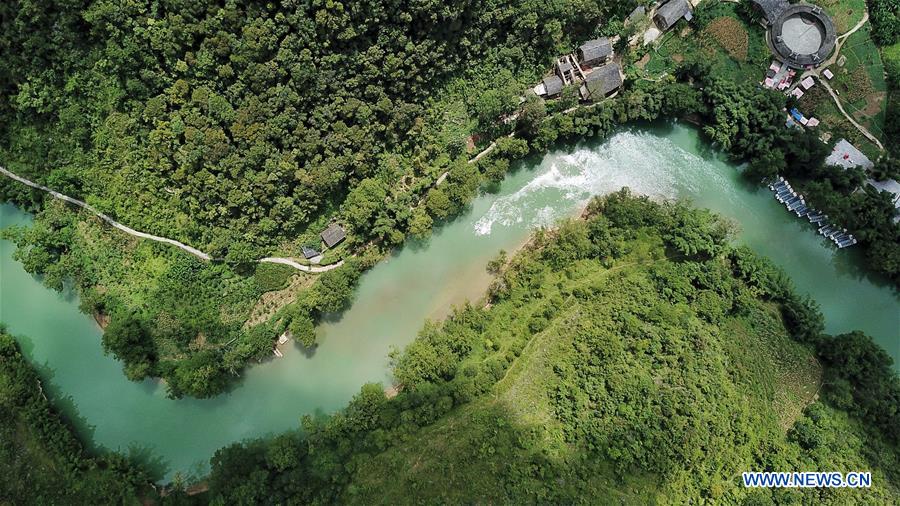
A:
(845, 13)
(271, 277)
(861, 81)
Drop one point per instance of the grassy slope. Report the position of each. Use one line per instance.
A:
(457, 460)
(483, 451)
(862, 78)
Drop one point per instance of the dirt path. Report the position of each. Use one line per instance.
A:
(859, 127)
(143, 235)
(829, 62)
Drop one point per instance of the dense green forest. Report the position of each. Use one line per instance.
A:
(236, 125)
(634, 356)
(41, 461)
(886, 20)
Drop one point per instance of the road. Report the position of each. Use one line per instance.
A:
(143, 235)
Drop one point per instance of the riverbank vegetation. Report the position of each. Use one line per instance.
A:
(204, 127)
(244, 129)
(632, 356)
(41, 460)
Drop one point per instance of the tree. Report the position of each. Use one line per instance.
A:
(887, 167)
(126, 337)
(302, 326)
(532, 116)
(495, 266)
(420, 222)
(364, 203)
(697, 232)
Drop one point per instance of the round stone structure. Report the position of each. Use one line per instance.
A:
(802, 35)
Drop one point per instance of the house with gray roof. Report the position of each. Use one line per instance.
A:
(333, 235)
(602, 82)
(595, 51)
(771, 9)
(670, 13)
(553, 86)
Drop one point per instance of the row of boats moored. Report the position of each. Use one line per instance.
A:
(795, 203)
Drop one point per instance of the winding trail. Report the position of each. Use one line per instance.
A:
(859, 127)
(143, 235)
(824, 82)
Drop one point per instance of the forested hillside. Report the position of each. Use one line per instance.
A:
(244, 128)
(631, 357)
(235, 125)
(41, 461)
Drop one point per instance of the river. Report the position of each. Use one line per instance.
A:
(420, 281)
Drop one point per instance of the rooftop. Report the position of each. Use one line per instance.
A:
(601, 82)
(670, 13)
(333, 235)
(847, 156)
(552, 85)
(595, 50)
(802, 35)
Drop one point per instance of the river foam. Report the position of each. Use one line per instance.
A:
(628, 159)
(638, 160)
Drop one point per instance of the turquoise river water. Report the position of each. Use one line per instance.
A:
(418, 282)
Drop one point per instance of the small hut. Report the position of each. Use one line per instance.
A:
(602, 82)
(333, 235)
(771, 9)
(639, 12)
(309, 252)
(669, 14)
(553, 85)
(595, 51)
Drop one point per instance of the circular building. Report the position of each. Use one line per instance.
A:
(802, 35)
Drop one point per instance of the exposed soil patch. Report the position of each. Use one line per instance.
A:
(873, 103)
(101, 319)
(731, 35)
(643, 61)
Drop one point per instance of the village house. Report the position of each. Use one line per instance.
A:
(595, 52)
(550, 86)
(309, 252)
(333, 235)
(671, 12)
(601, 82)
(565, 70)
